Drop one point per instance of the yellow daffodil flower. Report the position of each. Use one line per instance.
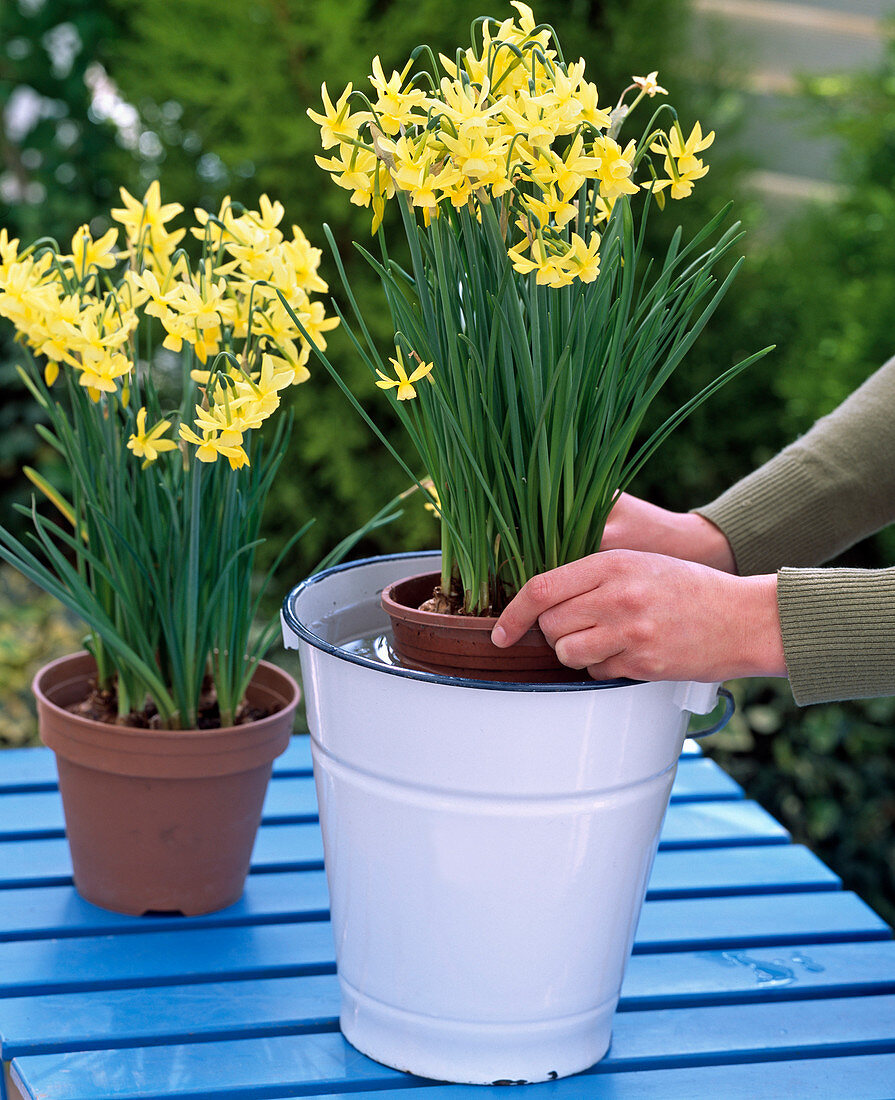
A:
(25, 297)
(355, 170)
(54, 343)
(682, 166)
(594, 116)
(394, 107)
(481, 157)
(602, 210)
(418, 182)
(336, 123)
(522, 263)
(312, 316)
(278, 372)
(528, 117)
(574, 168)
(549, 209)
(649, 84)
(583, 258)
(9, 251)
(466, 106)
(88, 253)
(683, 150)
(549, 266)
(149, 445)
(268, 217)
(197, 315)
(211, 229)
(159, 298)
(302, 262)
(144, 220)
(561, 100)
(615, 167)
(680, 183)
(100, 370)
(211, 445)
(406, 389)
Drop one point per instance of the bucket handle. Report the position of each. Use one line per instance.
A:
(729, 708)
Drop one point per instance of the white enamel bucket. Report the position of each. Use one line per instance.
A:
(487, 846)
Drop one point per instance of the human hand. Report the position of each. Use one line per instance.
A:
(635, 524)
(626, 613)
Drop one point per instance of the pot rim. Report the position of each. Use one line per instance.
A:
(137, 733)
(295, 624)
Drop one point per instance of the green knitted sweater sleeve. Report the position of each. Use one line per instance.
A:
(830, 488)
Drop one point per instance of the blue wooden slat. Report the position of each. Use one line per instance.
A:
(27, 770)
(33, 814)
(712, 923)
(292, 800)
(720, 824)
(296, 759)
(43, 911)
(862, 1077)
(758, 974)
(59, 911)
(170, 1014)
(47, 862)
(165, 958)
(34, 769)
(325, 1062)
(267, 950)
(700, 779)
(39, 813)
(110, 1018)
(760, 869)
(225, 1071)
(733, 1033)
(714, 872)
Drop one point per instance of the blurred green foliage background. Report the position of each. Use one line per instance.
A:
(101, 93)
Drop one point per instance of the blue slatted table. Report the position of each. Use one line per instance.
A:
(754, 973)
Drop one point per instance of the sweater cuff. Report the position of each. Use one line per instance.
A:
(779, 516)
(838, 630)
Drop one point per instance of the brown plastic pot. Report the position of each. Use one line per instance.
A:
(161, 820)
(460, 645)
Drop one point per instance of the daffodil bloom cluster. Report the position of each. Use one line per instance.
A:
(406, 390)
(533, 319)
(157, 351)
(507, 122)
(73, 313)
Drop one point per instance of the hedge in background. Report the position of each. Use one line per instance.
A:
(34, 629)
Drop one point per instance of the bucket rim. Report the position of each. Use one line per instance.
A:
(302, 631)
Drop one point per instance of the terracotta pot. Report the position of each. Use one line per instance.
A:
(161, 820)
(460, 645)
